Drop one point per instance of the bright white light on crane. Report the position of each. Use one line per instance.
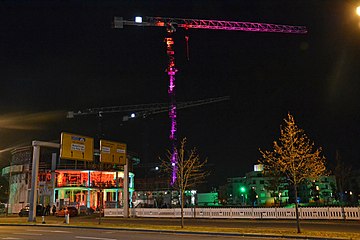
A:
(132, 115)
(138, 19)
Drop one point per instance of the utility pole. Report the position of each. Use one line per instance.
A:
(34, 175)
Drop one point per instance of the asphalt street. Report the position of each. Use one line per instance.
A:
(54, 233)
(88, 227)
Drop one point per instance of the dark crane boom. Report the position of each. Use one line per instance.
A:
(142, 110)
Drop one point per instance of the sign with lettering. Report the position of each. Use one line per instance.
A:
(76, 147)
(112, 152)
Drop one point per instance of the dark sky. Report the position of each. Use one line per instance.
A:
(57, 56)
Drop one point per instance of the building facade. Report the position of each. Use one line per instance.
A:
(64, 182)
(258, 189)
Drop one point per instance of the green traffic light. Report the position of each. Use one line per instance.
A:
(242, 189)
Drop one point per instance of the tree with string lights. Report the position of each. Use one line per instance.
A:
(295, 156)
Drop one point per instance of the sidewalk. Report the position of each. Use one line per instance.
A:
(284, 229)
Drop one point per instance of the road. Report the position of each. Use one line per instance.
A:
(61, 233)
(323, 225)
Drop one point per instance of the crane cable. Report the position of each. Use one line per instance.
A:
(187, 47)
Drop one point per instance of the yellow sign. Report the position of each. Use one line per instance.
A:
(112, 152)
(76, 147)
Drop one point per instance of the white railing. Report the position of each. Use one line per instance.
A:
(328, 213)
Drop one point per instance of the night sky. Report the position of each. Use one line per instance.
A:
(57, 57)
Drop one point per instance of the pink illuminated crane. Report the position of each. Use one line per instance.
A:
(171, 24)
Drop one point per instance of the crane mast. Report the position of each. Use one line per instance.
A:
(171, 24)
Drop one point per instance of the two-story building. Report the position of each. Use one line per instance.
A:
(65, 182)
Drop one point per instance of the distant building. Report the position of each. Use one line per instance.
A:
(153, 189)
(322, 190)
(254, 190)
(208, 199)
(257, 189)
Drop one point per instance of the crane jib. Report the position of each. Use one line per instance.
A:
(212, 25)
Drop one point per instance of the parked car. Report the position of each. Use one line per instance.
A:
(73, 212)
(83, 210)
(24, 212)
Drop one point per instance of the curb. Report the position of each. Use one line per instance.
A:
(177, 232)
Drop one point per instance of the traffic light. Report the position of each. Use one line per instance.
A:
(242, 189)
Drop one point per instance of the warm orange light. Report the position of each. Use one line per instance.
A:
(358, 10)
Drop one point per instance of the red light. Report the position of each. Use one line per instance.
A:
(159, 24)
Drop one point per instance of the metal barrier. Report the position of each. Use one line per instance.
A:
(328, 213)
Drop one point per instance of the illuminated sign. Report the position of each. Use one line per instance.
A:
(76, 147)
(112, 152)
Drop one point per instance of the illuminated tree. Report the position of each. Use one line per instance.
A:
(295, 157)
(190, 171)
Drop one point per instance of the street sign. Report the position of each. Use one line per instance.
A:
(112, 152)
(76, 147)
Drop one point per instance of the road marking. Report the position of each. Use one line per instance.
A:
(95, 238)
(36, 230)
(30, 234)
(53, 231)
(59, 231)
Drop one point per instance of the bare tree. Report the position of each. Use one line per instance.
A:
(190, 171)
(294, 156)
(343, 176)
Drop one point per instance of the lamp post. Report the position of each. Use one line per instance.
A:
(279, 199)
(242, 192)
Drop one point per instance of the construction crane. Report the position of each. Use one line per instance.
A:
(171, 24)
(142, 110)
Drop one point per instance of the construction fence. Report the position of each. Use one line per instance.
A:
(311, 213)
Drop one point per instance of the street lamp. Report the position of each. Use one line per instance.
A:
(280, 199)
(358, 10)
(242, 191)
